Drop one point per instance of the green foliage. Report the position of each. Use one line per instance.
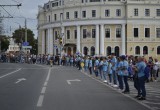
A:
(4, 43)
(19, 36)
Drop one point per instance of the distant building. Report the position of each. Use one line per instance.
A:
(100, 27)
(13, 47)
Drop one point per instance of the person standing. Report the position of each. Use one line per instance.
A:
(119, 71)
(140, 67)
(90, 66)
(114, 67)
(96, 64)
(105, 67)
(125, 73)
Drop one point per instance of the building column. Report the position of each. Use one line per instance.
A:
(78, 38)
(97, 40)
(43, 41)
(51, 41)
(123, 40)
(102, 40)
(48, 41)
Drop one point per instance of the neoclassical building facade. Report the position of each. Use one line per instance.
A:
(100, 27)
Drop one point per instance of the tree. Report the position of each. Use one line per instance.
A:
(4, 43)
(19, 36)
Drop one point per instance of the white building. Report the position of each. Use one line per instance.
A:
(13, 47)
(100, 27)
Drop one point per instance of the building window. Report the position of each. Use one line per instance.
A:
(56, 35)
(137, 50)
(109, 50)
(158, 32)
(93, 33)
(116, 51)
(135, 32)
(118, 12)
(49, 18)
(158, 50)
(107, 33)
(93, 13)
(84, 33)
(85, 51)
(55, 17)
(82, 1)
(136, 12)
(68, 34)
(92, 51)
(147, 32)
(76, 14)
(145, 50)
(75, 34)
(107, 13)
(67, 15)
(83, 14)
(147, 12)
(55, 4)
(118, 32)
(158, 12)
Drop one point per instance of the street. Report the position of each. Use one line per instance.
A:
(40, 87)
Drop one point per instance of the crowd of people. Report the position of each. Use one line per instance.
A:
(112, 70)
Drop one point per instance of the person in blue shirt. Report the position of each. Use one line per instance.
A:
(110, 72)
(125, 73)
(114, 67)
(100, 67)
(105, 67)
(140, 66)
(119, 71)
(90, 65)
(96, 65)
(86, 62)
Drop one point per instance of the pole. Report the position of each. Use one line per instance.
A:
(25, 30)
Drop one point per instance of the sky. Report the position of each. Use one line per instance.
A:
(28, 10)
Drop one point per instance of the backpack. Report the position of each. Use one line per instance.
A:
(147, 71)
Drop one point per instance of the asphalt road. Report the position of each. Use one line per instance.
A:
(40, 87)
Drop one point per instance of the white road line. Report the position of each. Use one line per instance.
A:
(40, 101)
(49, 73)
(120, 92)
(10, 73)
(43, 90)
(45, 83)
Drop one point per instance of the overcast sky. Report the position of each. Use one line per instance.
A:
(29, 10)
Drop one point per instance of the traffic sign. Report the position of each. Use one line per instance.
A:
(25, 43)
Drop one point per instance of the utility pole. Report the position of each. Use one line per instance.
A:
(25, 30)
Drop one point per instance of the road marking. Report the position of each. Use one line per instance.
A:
(19, 80)
(43, 90)
(45, 84)
(140, 102)
(151, 103)
(49, 73)
(10, 73)
(69, 81)
(40, 101)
